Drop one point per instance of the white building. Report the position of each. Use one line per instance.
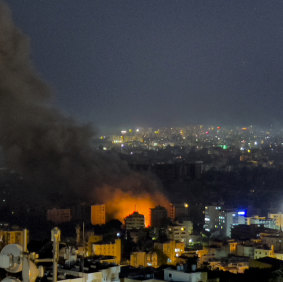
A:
(180, 231)
(214, 218)
(221, 222)
(233, 218)
(278, 217)
(179, 275)
(266, 222)
(110, 274)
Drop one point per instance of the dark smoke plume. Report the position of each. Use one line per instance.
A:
(51, 151)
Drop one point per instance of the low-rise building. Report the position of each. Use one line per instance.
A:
(178, 233)
(261, 252)
(12, 237)
(245, 250)
(144, 259)
(275, 240)
(171, 249)
(238, 266)
(278, 218)
(260, 220)
(108, 249)
(178, 274)
(211, 253)
(90, 272)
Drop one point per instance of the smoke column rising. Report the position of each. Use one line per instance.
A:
(51, 151)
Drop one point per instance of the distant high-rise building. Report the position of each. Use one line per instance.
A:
(214, 218)
(172, 212)
(59, 215)
(158, 216)
(97, 214)
(135, 221)
(233, 218)
(222, 221)
(179, 210)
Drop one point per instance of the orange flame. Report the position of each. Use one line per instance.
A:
(120, 204)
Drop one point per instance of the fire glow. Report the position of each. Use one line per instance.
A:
(120, 204)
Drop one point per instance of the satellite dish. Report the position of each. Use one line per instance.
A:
(14, 252)
(10, 279)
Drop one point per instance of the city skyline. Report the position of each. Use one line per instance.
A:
(158, 63)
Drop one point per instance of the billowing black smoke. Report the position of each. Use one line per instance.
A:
(52, 152)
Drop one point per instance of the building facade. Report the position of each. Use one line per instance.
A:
(158, 216)
(171, 249)
(98, 214)
(108, 249)
(144, 259)
(58, 216)
(134, 221)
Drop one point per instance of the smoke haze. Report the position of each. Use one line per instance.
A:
(51, 151)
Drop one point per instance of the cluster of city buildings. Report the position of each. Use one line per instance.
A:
(196, 242)
(199, 136)
(231, 241)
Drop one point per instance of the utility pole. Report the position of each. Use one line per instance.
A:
(55, 238)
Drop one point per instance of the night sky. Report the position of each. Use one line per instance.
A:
(159, 63)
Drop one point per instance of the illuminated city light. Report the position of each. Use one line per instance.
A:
(241, 212)
(116, 141)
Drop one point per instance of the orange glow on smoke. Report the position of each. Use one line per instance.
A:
(120, 204)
